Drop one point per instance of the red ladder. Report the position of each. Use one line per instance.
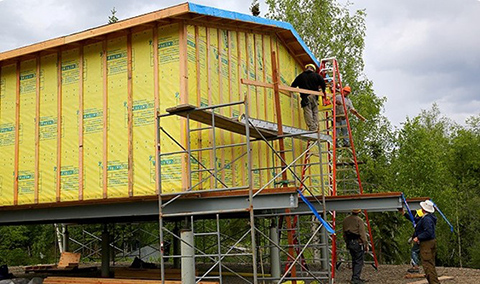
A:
(347, 161)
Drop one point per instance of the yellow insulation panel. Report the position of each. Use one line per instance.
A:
(26, 143)
(7, 132)
(213, 60)
(69, 140)
(47, 163)
(93, 121)
(143, 114)
(117, 130)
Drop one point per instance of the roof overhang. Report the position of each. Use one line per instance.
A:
(186, 11)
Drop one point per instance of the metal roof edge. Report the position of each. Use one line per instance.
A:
(215, 12)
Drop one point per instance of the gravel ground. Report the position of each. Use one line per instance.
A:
(386, 274)
(395, 274)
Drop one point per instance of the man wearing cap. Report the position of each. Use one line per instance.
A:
(356, 239)
(341, 121)
(310, 80)
(425, 236)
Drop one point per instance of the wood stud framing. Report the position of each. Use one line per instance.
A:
(80, 122)
(183, 60)
(59, 125)
(130, 113)
(105, 119)
(17, 133)
(37, 130)
(234, 35)
(199, 92)
(156, 94)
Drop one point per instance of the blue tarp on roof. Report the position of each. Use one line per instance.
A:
(205, 10)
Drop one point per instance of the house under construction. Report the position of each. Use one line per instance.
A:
(184, 116)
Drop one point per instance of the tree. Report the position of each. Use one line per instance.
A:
(112, 19)
(331, 30)
(255, 8)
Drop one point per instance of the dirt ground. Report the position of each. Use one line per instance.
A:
(395, 274)
(386, 274)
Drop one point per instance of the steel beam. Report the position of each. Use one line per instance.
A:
(263, 205)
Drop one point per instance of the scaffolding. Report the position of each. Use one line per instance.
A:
(263, 232)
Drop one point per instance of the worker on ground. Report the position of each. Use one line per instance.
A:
(415, 250)
(341, 120)
(310, 80)
(425, 236)
(356, 239)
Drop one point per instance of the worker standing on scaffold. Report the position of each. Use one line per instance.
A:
(310, 80)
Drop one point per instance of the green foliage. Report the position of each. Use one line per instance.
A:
(328, 29)
(21, 245)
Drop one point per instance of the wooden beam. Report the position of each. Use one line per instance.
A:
(80, 121)
(183, 61)
(84, 280)
(199, 92)
(220, 97)
(230, 96)
(239, 74)
(156, 86)
(59, 126)
(257, 105)
(265, 103)
(130, 113)
(209, 93)
(17, 134)
(37, 131)
(105, 120)
(281, 88)
(278, 111)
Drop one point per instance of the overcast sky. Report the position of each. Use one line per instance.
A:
(417, 52)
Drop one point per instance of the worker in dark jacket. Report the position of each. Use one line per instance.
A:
(310, 80)
(356, 239)
(425, 236)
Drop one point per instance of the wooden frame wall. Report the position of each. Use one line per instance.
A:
(257, 35)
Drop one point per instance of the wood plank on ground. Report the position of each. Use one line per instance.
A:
(84, 280)
(426, 282)
(414, 275)
(144, 273)
(69, 259)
